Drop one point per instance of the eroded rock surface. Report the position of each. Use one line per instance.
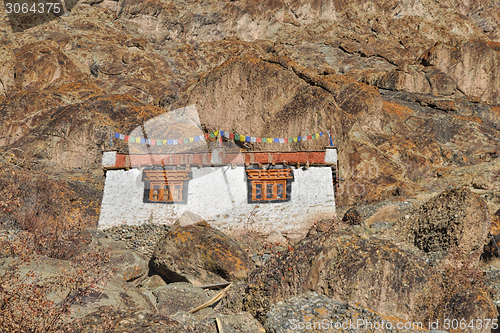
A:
(199, 254)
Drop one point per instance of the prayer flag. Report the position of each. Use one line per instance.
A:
(264, 140)
(231, 136)
(191, 139)
(180, 141)
(236, 137)
(242, 138)
(321, 134)
(170, 142)
(164, 142)
(281, 140)
(309, 137)
(159, 142)
(290, 139)
(247, 138)
(206, 136)
(143, 140)
(285, 140)
(148, 141)
(269, 140)
(117, 135)
(258, 139)
(186, 140)
(196, 138)
(276, 140)
(122, 136)
(295, 139)
(153, 142)
(175, 142)
(212, 135)
(298, 138)
(216, 133)
(226, 135)
(127, 138)
(253, 139)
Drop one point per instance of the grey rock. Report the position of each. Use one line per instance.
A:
(188, 218)
(181, 296)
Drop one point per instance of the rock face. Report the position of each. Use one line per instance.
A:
(128, 321)
(179, 296)
(301, 313)
(348, 268)
(456, 218)
(372, 272)
(200, 255)
(408, 91)
(352, 217)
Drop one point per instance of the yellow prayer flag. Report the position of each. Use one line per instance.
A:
(295, 139)
(191, 139)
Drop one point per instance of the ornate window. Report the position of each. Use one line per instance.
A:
(272, 185)
(167, 186)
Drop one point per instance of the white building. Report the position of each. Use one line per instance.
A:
(285, 191)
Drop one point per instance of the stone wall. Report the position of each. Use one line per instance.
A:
(219, 194)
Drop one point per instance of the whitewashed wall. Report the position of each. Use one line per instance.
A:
(219, 194)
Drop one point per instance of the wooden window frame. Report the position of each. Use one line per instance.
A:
(170, 186)
(264, 193)
(266, 178)
(175, 181)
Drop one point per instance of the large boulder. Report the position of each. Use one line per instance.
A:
(119, 320)
(181, 296)
(199, 254)
(128, 265)
(309, 311)
(372, 272)
(346, 267)
(457, 219)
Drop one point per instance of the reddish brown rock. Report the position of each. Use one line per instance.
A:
(200, 255)
(456, 219)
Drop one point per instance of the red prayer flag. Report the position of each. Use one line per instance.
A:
(286, 140)
(181, 141)
(258, 139)
(153, 142)
(309, 137)
(207, 136)
(231, 135)
(127, 137)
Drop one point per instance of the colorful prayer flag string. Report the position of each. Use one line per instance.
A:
(218, 135)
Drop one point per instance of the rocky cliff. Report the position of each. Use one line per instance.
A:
(408, 89)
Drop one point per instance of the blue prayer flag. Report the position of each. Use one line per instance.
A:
(276, 140)
(247, 138)
(298, 138)
(196, 138)
(143, 140)
(117, 135)
(169, 142)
